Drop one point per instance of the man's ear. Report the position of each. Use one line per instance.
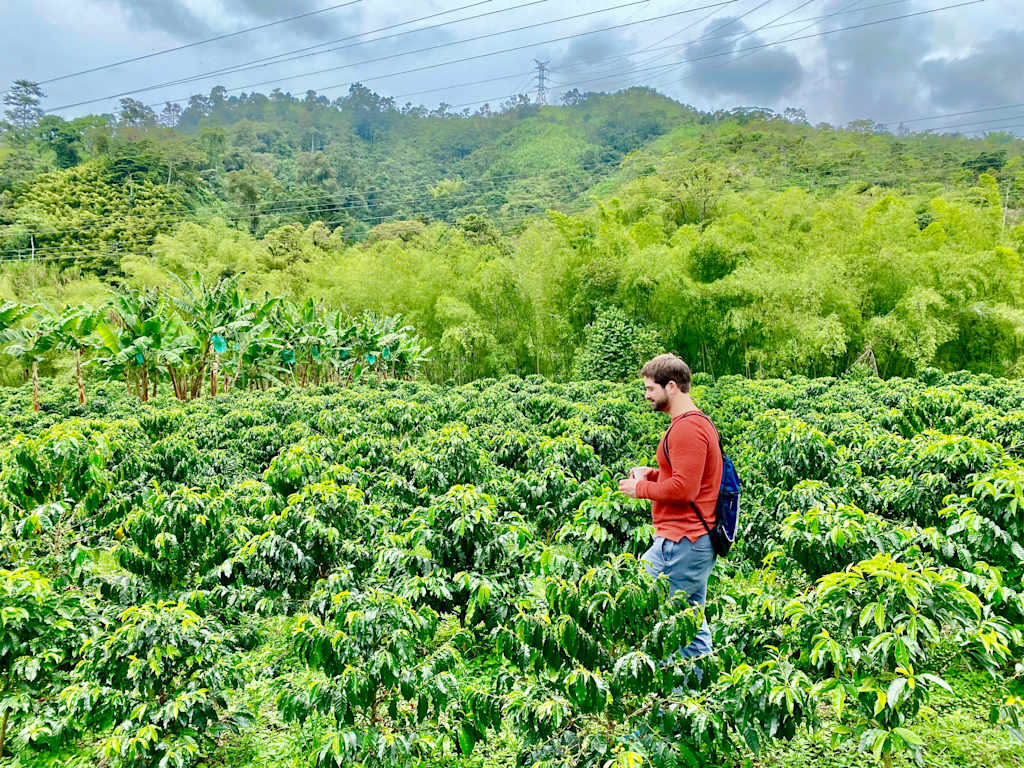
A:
(671, 387)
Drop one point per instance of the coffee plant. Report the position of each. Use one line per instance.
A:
(273, 562)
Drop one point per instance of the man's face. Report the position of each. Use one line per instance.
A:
(655, 394)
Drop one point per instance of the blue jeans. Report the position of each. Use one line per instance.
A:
(688, 566)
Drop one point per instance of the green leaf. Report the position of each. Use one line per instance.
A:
(881, 742)
(896, 687)
(467, 739)
(937, 680)
(909, 736)
(1017, 549)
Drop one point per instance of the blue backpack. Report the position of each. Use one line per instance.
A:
(727, 508)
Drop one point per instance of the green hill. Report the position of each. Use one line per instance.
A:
(746, 241)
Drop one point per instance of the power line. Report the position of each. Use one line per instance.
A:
(767, 45)
(703, 38)
(956, 114)
(269, 207)
(763, 46)
(200, 42)
(754, 31)
(840, 29)
(282, 207)
(834, 182)
(657, 44)
(530, 78)
(284, 58)
(368, 32)
(436, 47)
(945, 128)
(728, 23)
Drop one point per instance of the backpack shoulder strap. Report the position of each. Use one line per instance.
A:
(686, 415)
(668, 458)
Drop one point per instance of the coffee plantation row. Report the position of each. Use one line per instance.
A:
(403, 574)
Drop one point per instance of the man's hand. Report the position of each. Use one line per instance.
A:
(640, 473)
(627, 485)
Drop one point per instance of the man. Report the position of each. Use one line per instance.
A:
(688, 476)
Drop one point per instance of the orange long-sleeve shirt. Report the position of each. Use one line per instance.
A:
(695, 475)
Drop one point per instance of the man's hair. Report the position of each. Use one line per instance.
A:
(666, 368)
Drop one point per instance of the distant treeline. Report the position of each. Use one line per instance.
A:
(567, 240)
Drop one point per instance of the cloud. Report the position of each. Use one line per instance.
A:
(175, 18)
(592, 49)
(333, 23)
(871, 72)
(720, 68)
(594, 62)
(170, 16)
(989, 74)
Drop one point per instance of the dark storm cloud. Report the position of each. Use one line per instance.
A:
(170, 16)
(989, 74)
(720, 66)
(586, 59)
(332, 23)
(872, 72)
(272, 9)
(174, 18)
(592, 49)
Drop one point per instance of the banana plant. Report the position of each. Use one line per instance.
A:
(11, 313)
(217, 315)
(252, 357)
(75, 331)
(30, 346)
(304, 333)
(143, 342)
(340, 331)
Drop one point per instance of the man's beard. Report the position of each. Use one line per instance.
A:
(659, 405)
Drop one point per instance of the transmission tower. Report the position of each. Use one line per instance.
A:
(542, 88)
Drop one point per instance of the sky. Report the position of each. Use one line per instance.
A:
(708, 53)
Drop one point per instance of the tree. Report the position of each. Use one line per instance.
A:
(700, 186)
(63, 138)
(573, 97)
(22, 102)
(135, 114)
(614, 347)
(170, 115)
(249, 188)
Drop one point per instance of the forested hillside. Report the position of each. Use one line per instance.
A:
(525, 238)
